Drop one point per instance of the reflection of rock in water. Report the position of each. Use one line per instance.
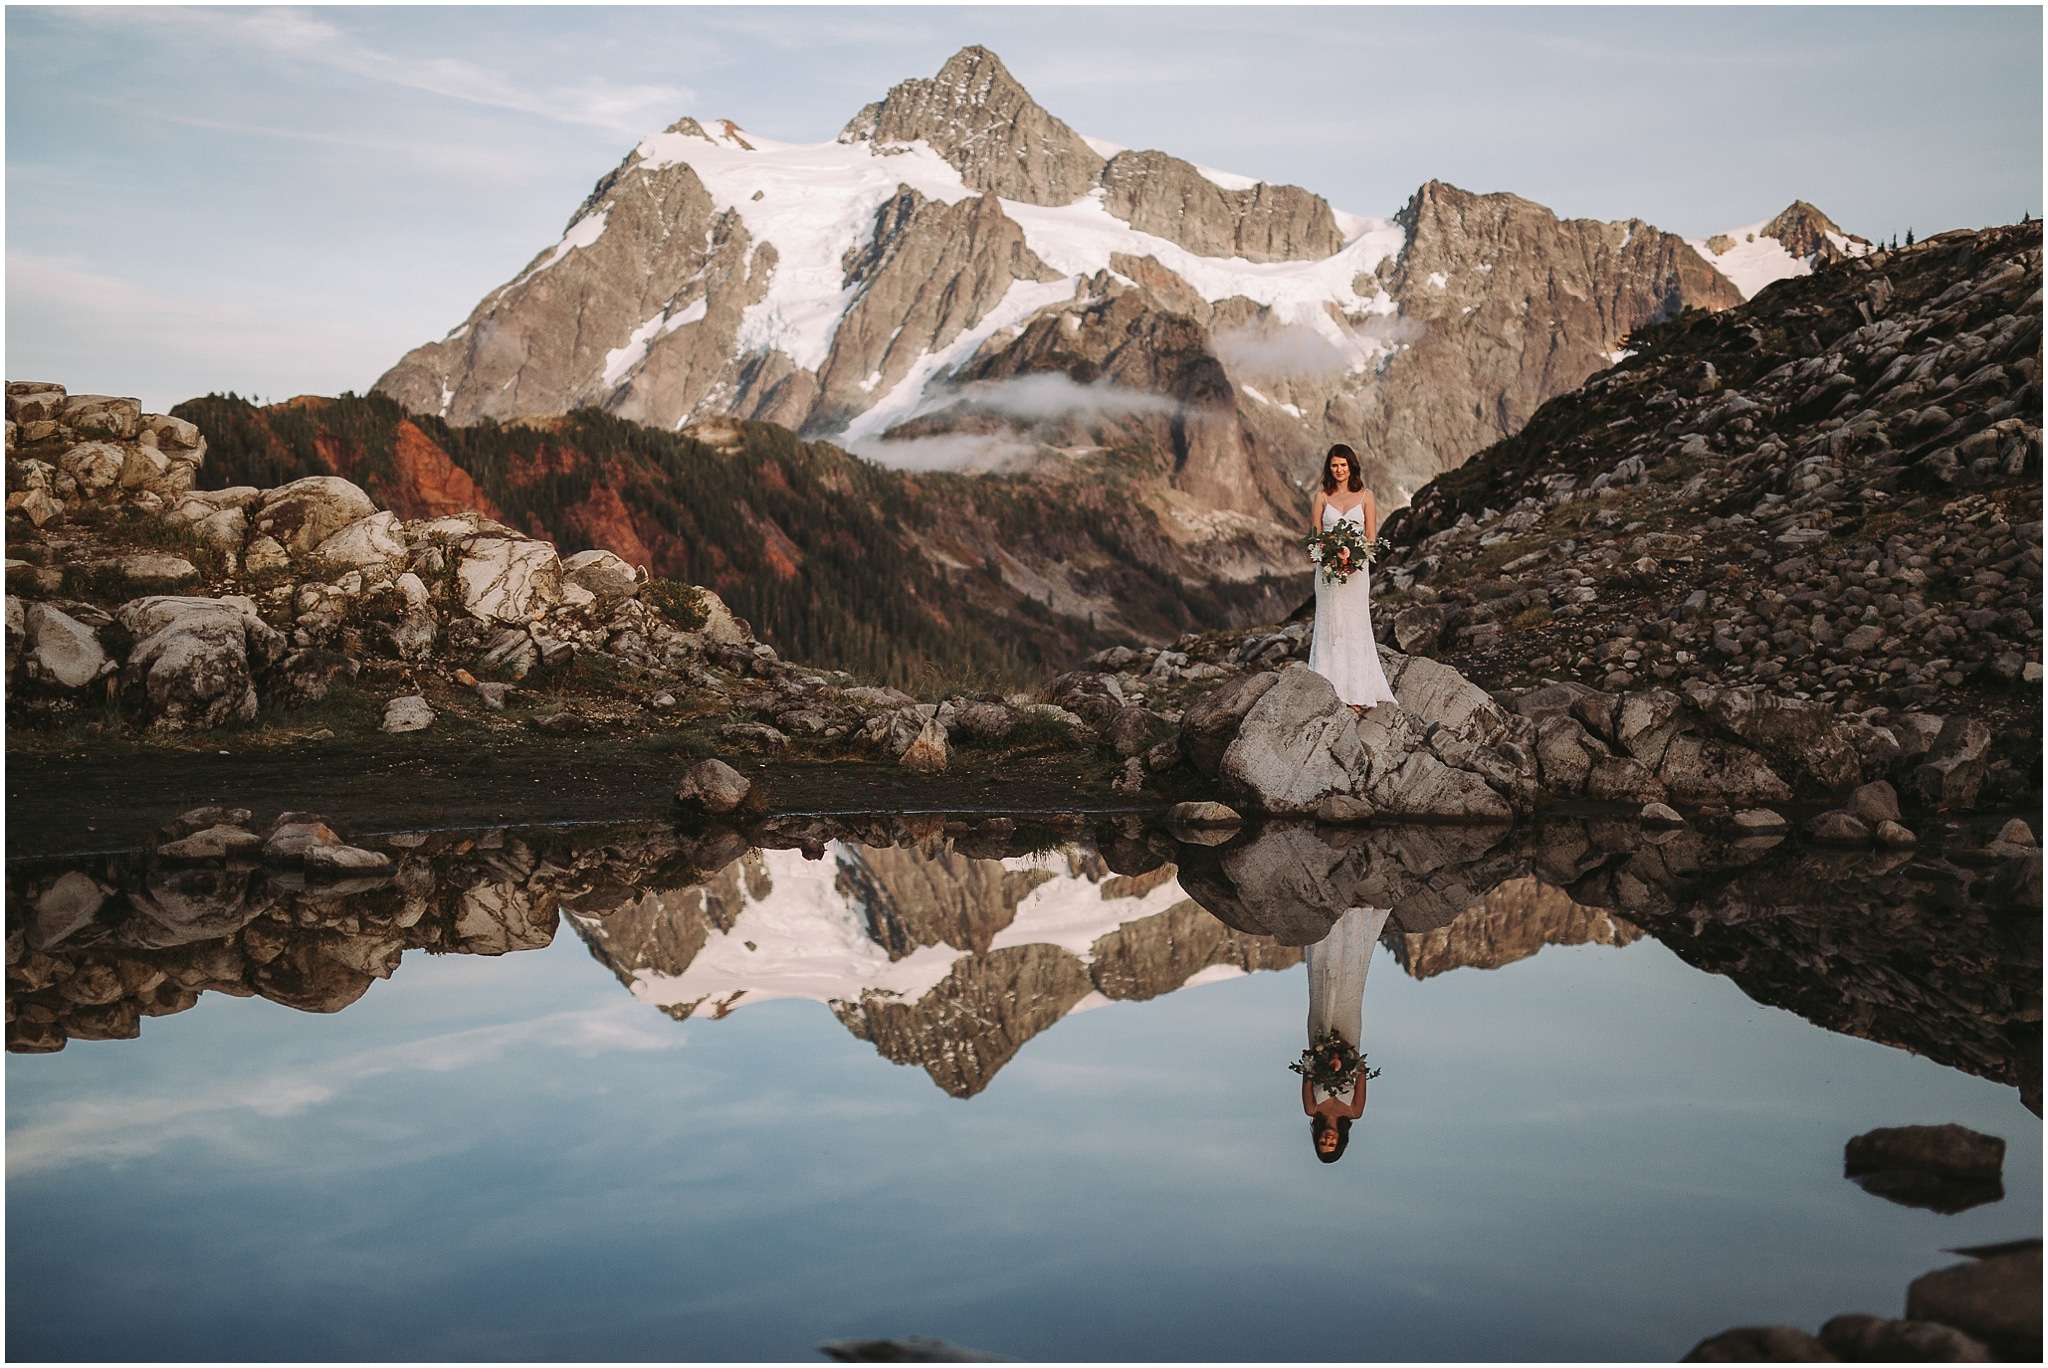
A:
(1292, 882)
(1511, 923)
(91, 951)
(951, 952)
(1911, 950)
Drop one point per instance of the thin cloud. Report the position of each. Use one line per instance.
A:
(96, 1130)
(506, 166)
(633, 110)
(1053, 395)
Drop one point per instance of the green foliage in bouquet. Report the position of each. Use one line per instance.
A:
(1340, 550)
(1333, 1064)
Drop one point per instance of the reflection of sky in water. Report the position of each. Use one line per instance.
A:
(1596, 1153)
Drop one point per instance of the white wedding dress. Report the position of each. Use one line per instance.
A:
(1336, 977)
(1342, 649)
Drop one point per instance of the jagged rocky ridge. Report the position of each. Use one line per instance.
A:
(950, 942)
(962, 278)
(1830, 493)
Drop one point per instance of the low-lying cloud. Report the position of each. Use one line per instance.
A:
(1292, 351)
(1285, 350)
(971, 453)
(1046, 409)
(1053, 395)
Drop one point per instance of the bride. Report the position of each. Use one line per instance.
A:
(1336, 1002)
(1342, 650)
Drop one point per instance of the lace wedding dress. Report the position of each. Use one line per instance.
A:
(1336, 977)
(1342, 649)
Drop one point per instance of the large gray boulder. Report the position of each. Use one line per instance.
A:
(715, 786)
(62, 650)
(506, 580)
(1698, 769)
(102, 415)
(604, 574)
(1296, 746)
(1424, 787)
(373, 543)
(96, 466)
(1566, 753)
(1210, 725)
(306, 512)
(1435, 695)
(1996, 1299)
(195, 658)
(1800, 736)
(1955, 765)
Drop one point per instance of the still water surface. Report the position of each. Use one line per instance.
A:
(1588, 1150)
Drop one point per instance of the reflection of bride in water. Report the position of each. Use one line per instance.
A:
(1336, 1004)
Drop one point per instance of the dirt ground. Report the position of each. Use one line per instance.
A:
(110, 796)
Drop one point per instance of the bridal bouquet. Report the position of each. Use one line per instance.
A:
(1333, 1064)
(1327, 549)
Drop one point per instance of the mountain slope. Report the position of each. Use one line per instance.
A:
(962, 280)
(834, 560)
(1833, 491)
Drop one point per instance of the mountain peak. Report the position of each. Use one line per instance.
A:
(978, 117)
(1806, 232)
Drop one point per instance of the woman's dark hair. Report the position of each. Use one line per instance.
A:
(1357, 481)
(1316, 1126)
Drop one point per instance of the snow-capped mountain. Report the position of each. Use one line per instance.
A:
(1791, 244)
(962, 280)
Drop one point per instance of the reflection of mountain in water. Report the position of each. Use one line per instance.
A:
(1511, 923)
(950, 952)
(939, 959)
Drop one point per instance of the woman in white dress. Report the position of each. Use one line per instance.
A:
(1342, 649)
(1336, 1002)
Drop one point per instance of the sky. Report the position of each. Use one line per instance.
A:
(282, 201)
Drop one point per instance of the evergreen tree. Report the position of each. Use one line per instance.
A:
(1909, 237)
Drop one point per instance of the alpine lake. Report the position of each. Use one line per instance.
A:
(576, 1082)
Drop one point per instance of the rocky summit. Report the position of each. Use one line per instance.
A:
(961, 279)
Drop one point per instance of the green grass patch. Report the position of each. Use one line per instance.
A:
(1490, 559)
(682, 604)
